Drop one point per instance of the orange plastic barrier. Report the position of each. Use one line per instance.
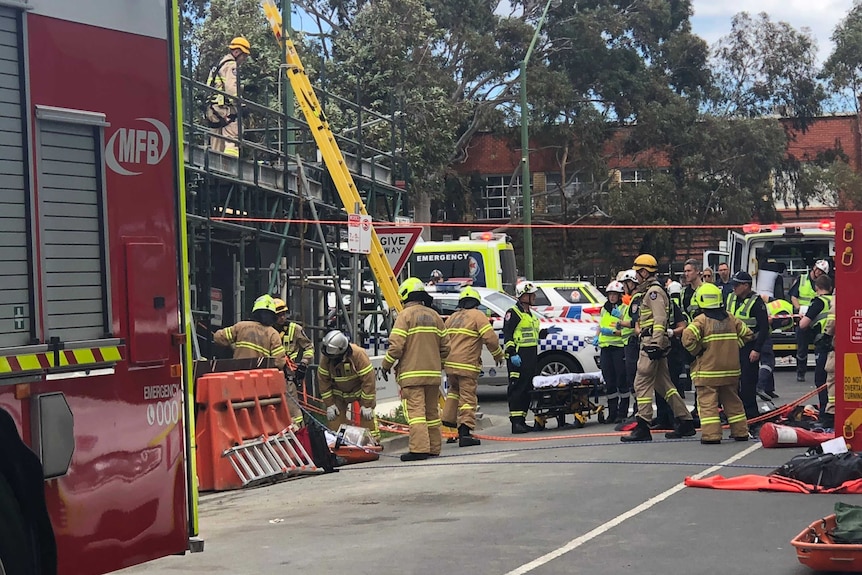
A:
(233, 408)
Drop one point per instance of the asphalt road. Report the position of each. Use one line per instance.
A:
(577, 501)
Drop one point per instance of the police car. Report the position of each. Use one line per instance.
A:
(570, 299)
(568, 350)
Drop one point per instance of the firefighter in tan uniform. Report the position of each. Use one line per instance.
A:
(827, 418)
(294, 341)
(346, 375)
(652, 370)
(257, 338)
(222, 112)
(418, 342)
(467, 328)
(714, 338)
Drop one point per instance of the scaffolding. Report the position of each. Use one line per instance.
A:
(269, 221)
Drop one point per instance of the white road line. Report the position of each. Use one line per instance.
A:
(578, 541)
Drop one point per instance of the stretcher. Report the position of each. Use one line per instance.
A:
(556, 396)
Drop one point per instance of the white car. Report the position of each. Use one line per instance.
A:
(569, 298)
(567, 351)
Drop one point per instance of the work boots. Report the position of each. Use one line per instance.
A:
(519, 425)
(622, 410)
(410, 456)
(639, 433)
(464, 437)
(684, 428)
(613, 405)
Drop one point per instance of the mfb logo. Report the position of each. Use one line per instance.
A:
(137, 147)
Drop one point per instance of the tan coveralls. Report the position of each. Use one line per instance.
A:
(467, 329)
(716, 370)
(342, 383)
(250, 339)
(295, 341)
(418, 342)
(652, 374)
(830, 361)
(225, 80)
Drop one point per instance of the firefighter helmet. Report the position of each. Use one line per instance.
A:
(674, 288)
(822, 265)
(437, 275)
(629, 275)
(409, 286)
(280, 305)
(616, 287)
(645, 262)
(241, 44)
(469, 292)
(525, 288)
(334, 344)
(708, 296)
(264, 302)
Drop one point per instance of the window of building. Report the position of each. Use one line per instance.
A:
(495, 202)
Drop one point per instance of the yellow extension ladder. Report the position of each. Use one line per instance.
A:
(332, 156)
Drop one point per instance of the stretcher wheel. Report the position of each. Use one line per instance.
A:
(539, 423)
(580, 420)
(601, 416)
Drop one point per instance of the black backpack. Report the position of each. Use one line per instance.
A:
(823, 469)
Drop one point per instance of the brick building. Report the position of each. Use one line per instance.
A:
(497, 160)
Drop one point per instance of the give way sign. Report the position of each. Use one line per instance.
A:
(397, 243)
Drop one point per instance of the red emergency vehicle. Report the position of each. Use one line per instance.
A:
(93, 284)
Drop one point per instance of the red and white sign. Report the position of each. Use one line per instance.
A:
(359, 234)
(398, 242)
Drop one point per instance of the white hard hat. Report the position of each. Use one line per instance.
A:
(615, 287)
(525, 287)
(674, 288)
(822, 265)
(630, 275)
(334, 344)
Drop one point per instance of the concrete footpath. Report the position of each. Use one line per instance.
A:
(577, 501)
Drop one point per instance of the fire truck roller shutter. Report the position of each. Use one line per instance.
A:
(15, 275)
(73, 220)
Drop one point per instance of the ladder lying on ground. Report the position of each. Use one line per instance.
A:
(270, 458)
(331, 153)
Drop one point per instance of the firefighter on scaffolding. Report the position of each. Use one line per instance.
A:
(221, 111)
(345, 375)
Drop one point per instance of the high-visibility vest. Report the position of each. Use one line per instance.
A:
(743, 312)
(806, 290)
(527, 331)
(609, 321)
(781, 312)
(820, 320)
(628, 332)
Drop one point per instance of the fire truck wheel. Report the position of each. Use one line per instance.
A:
(14, 540)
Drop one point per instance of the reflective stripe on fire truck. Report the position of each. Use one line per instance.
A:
(19, 363)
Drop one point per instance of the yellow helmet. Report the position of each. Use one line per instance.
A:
(409, 286)
(469, 292)
(708, 296)
(264, 302)
(280, 305)
(241, 44)
(645, 262)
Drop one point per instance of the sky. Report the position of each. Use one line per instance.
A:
(712, 18)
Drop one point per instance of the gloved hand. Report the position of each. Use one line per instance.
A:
(332, 412)
(366, 412)
(555, 329)
(654, 352)
(616, 312)
(607, 331)
(499, 361)
(595, 341)
(384, 373)
(516, 360)
(301, 369)
(619, 325)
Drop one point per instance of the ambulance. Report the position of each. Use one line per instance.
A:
(485, 258)
(775, 255)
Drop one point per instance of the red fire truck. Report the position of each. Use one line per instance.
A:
(93, 289)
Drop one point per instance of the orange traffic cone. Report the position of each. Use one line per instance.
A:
(774, 435)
